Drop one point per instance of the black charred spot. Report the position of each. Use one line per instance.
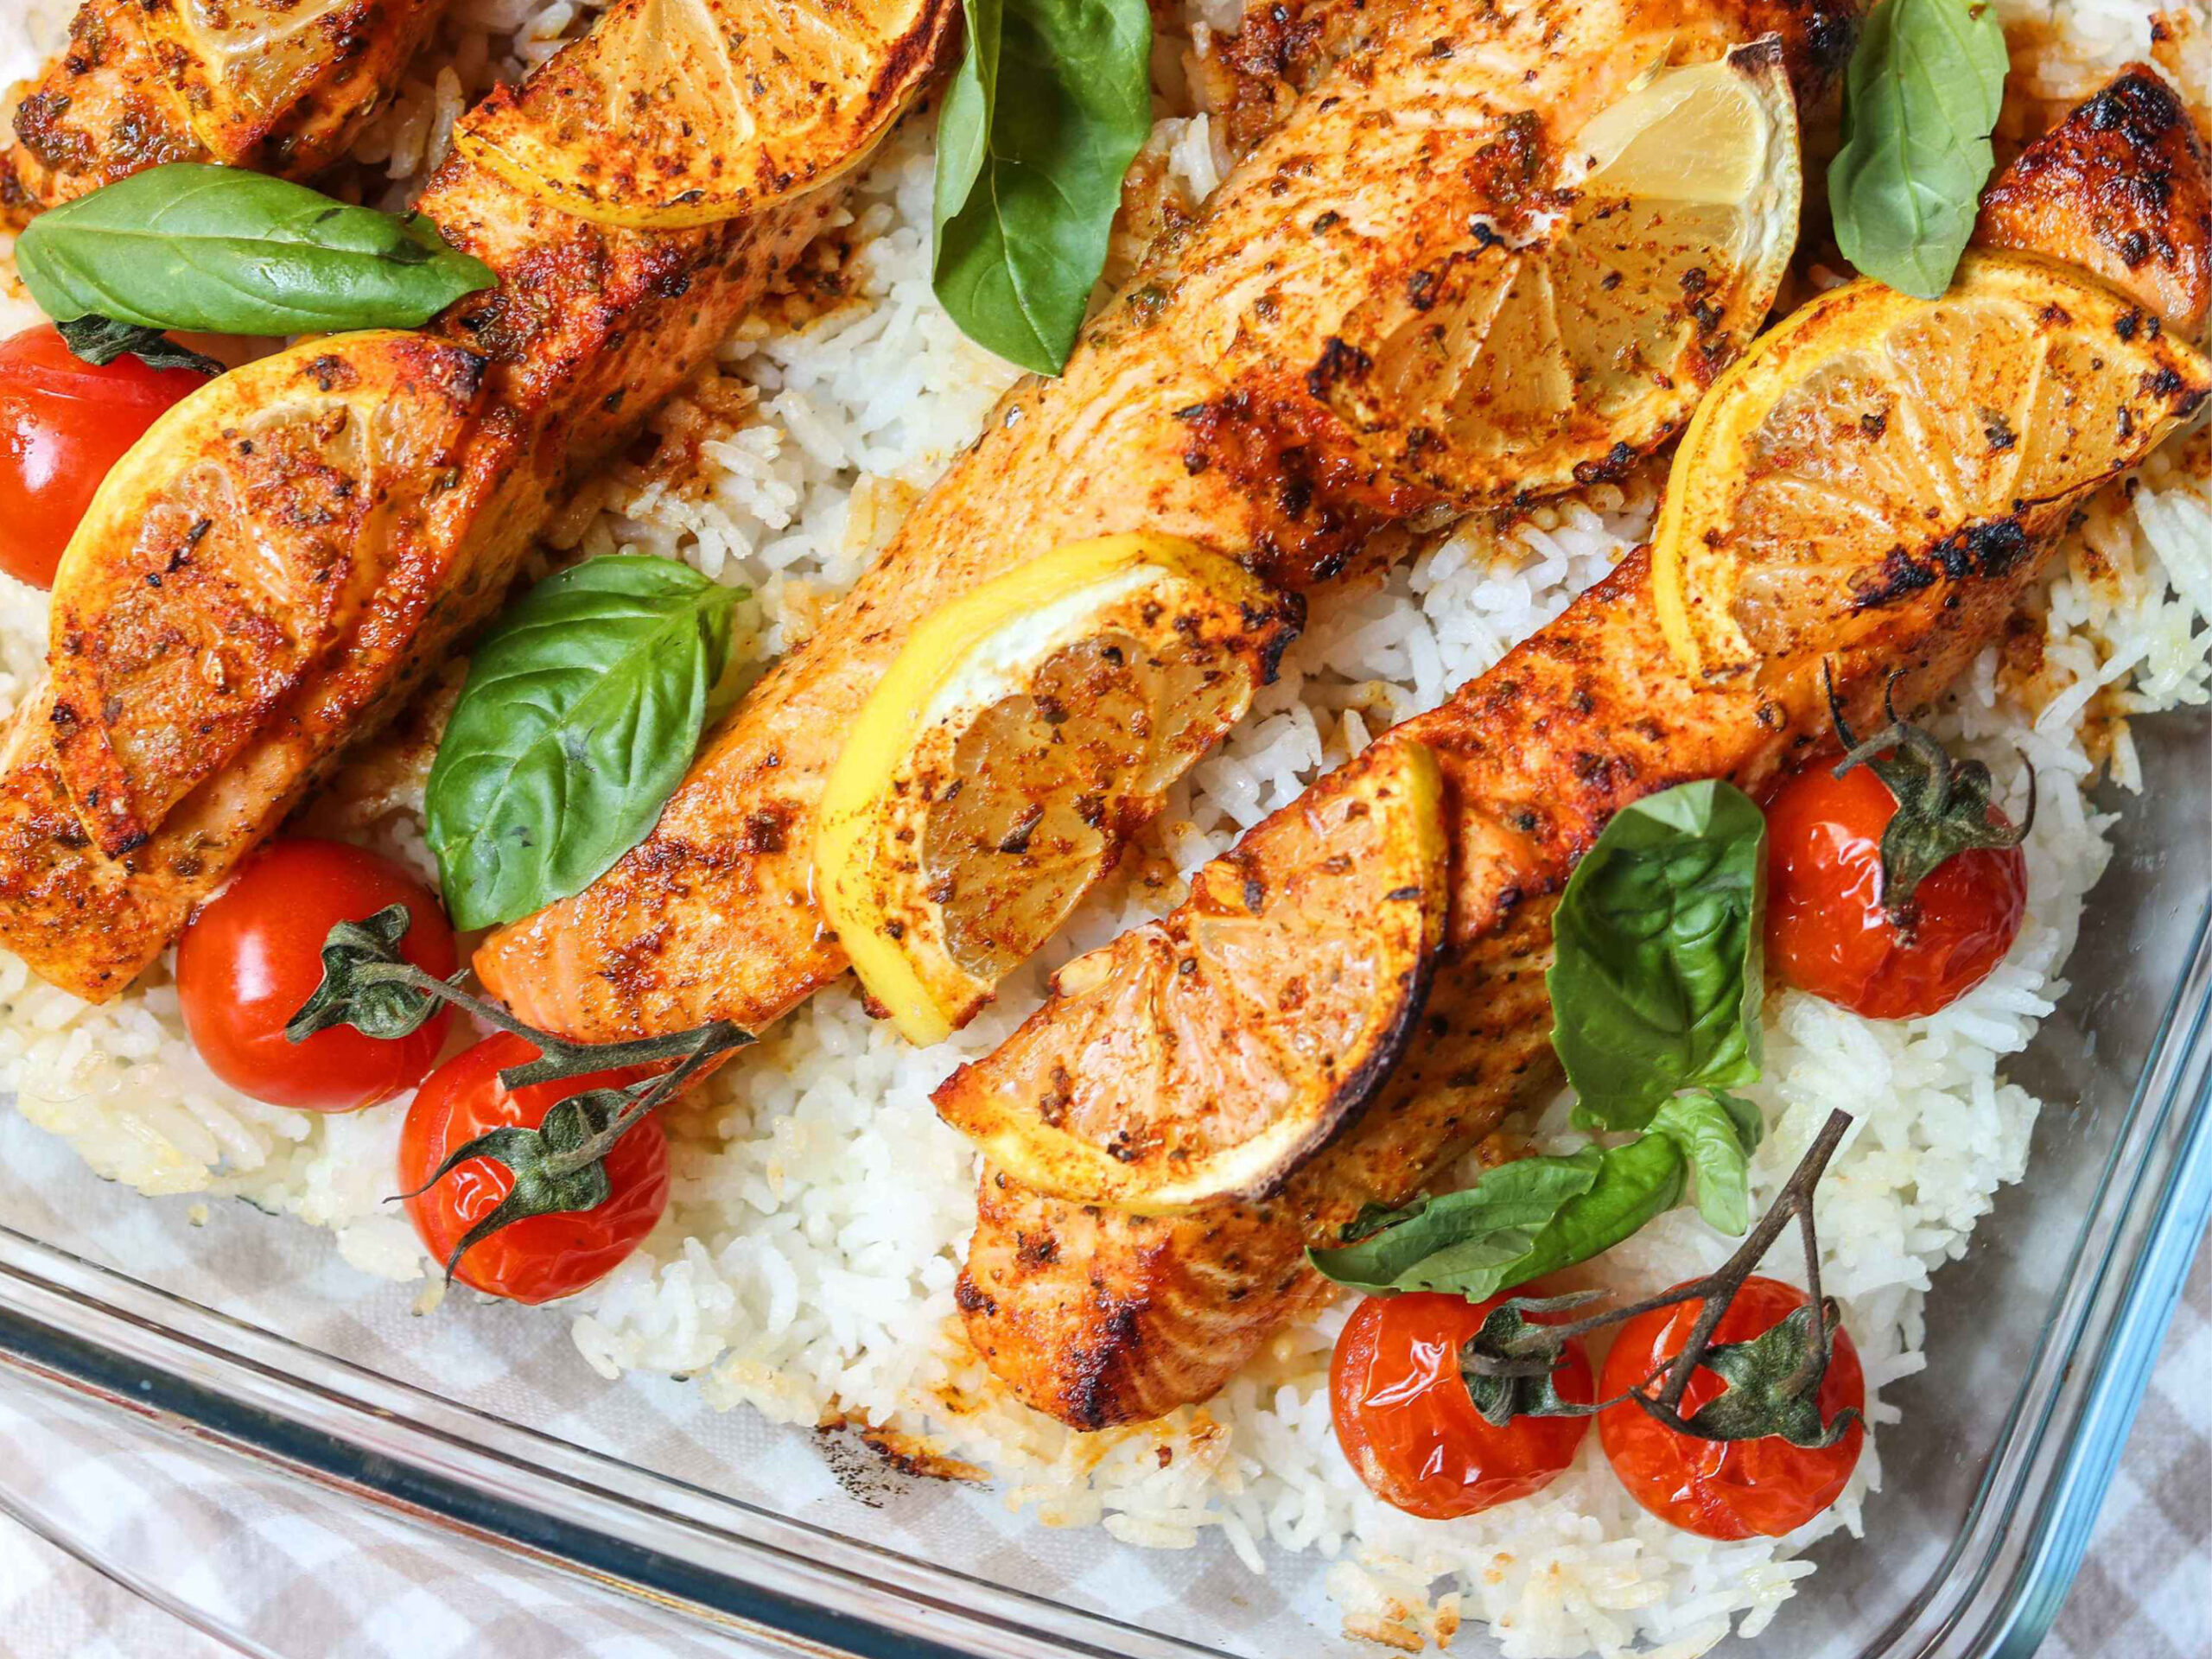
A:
(1017, 839)
(1420, 289)
(766, 831)
(1611, 469)
(330, 374)
(1338, 361)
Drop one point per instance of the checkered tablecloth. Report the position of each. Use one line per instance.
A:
(277, 1569)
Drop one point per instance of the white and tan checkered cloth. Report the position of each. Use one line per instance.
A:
(265, 1566)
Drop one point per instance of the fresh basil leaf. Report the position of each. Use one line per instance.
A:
(1374, 1217)
(1920, 98)
(1774, 1386)
(1518, 1222)
(1656, 978)
(578, 719)
(1050, 104)
(1716, 1133)
(226, 250)
(100, 341)
(1464, 1237)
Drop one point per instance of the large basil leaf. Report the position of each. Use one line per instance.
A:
(579, 717)
(1920, 98)
(1717, 1133)
(1051, 102)
(230, 251)
(1518, 1222)
(1656, 981)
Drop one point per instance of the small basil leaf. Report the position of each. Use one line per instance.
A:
(579, 717)
(226, 250)
(1050, 104)
(1374, 1217)
(1518, 1222)
(100, 341)
(1774, 1386)
(1656, 978)
(1716, 1133)
(964, 125)
(1920, 98)
(1464, 1238)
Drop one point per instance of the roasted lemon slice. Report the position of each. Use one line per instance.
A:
(1587, 343)
(1203, 1056)
(680, 113)
(241, 69)
(1873, 443)
(1024, 733)
(233, 547)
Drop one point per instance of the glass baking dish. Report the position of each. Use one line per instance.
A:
(2040, 1342)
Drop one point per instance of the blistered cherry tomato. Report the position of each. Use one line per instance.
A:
(541, 1257)
(1408, 1426)
(63, 422)
(254, 953)
(1827, 929)
(1732, 1489)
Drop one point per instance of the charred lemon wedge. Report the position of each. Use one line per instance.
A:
(243, 69)
(1021, 736)
(1584, 340)
(233, 547)
(1872, 443)
(1203, 1056)
(673, 113)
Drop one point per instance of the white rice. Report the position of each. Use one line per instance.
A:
(807, 1262)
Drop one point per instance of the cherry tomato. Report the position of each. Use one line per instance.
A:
(254, 953)
(63, 422)
(1826, 928)
(542, 1258)
(1408, 1426)
(1732, 1489)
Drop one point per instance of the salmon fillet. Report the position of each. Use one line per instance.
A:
(1100, 1317)
(118, 99)
(1209, 402)
(589, 329)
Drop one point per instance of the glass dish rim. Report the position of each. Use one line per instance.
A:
(791, 1585)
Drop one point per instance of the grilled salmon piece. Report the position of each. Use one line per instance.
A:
(1222, 398)
(119, 816)
(134, 89)
(2117, 188)
(1100, 1317)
